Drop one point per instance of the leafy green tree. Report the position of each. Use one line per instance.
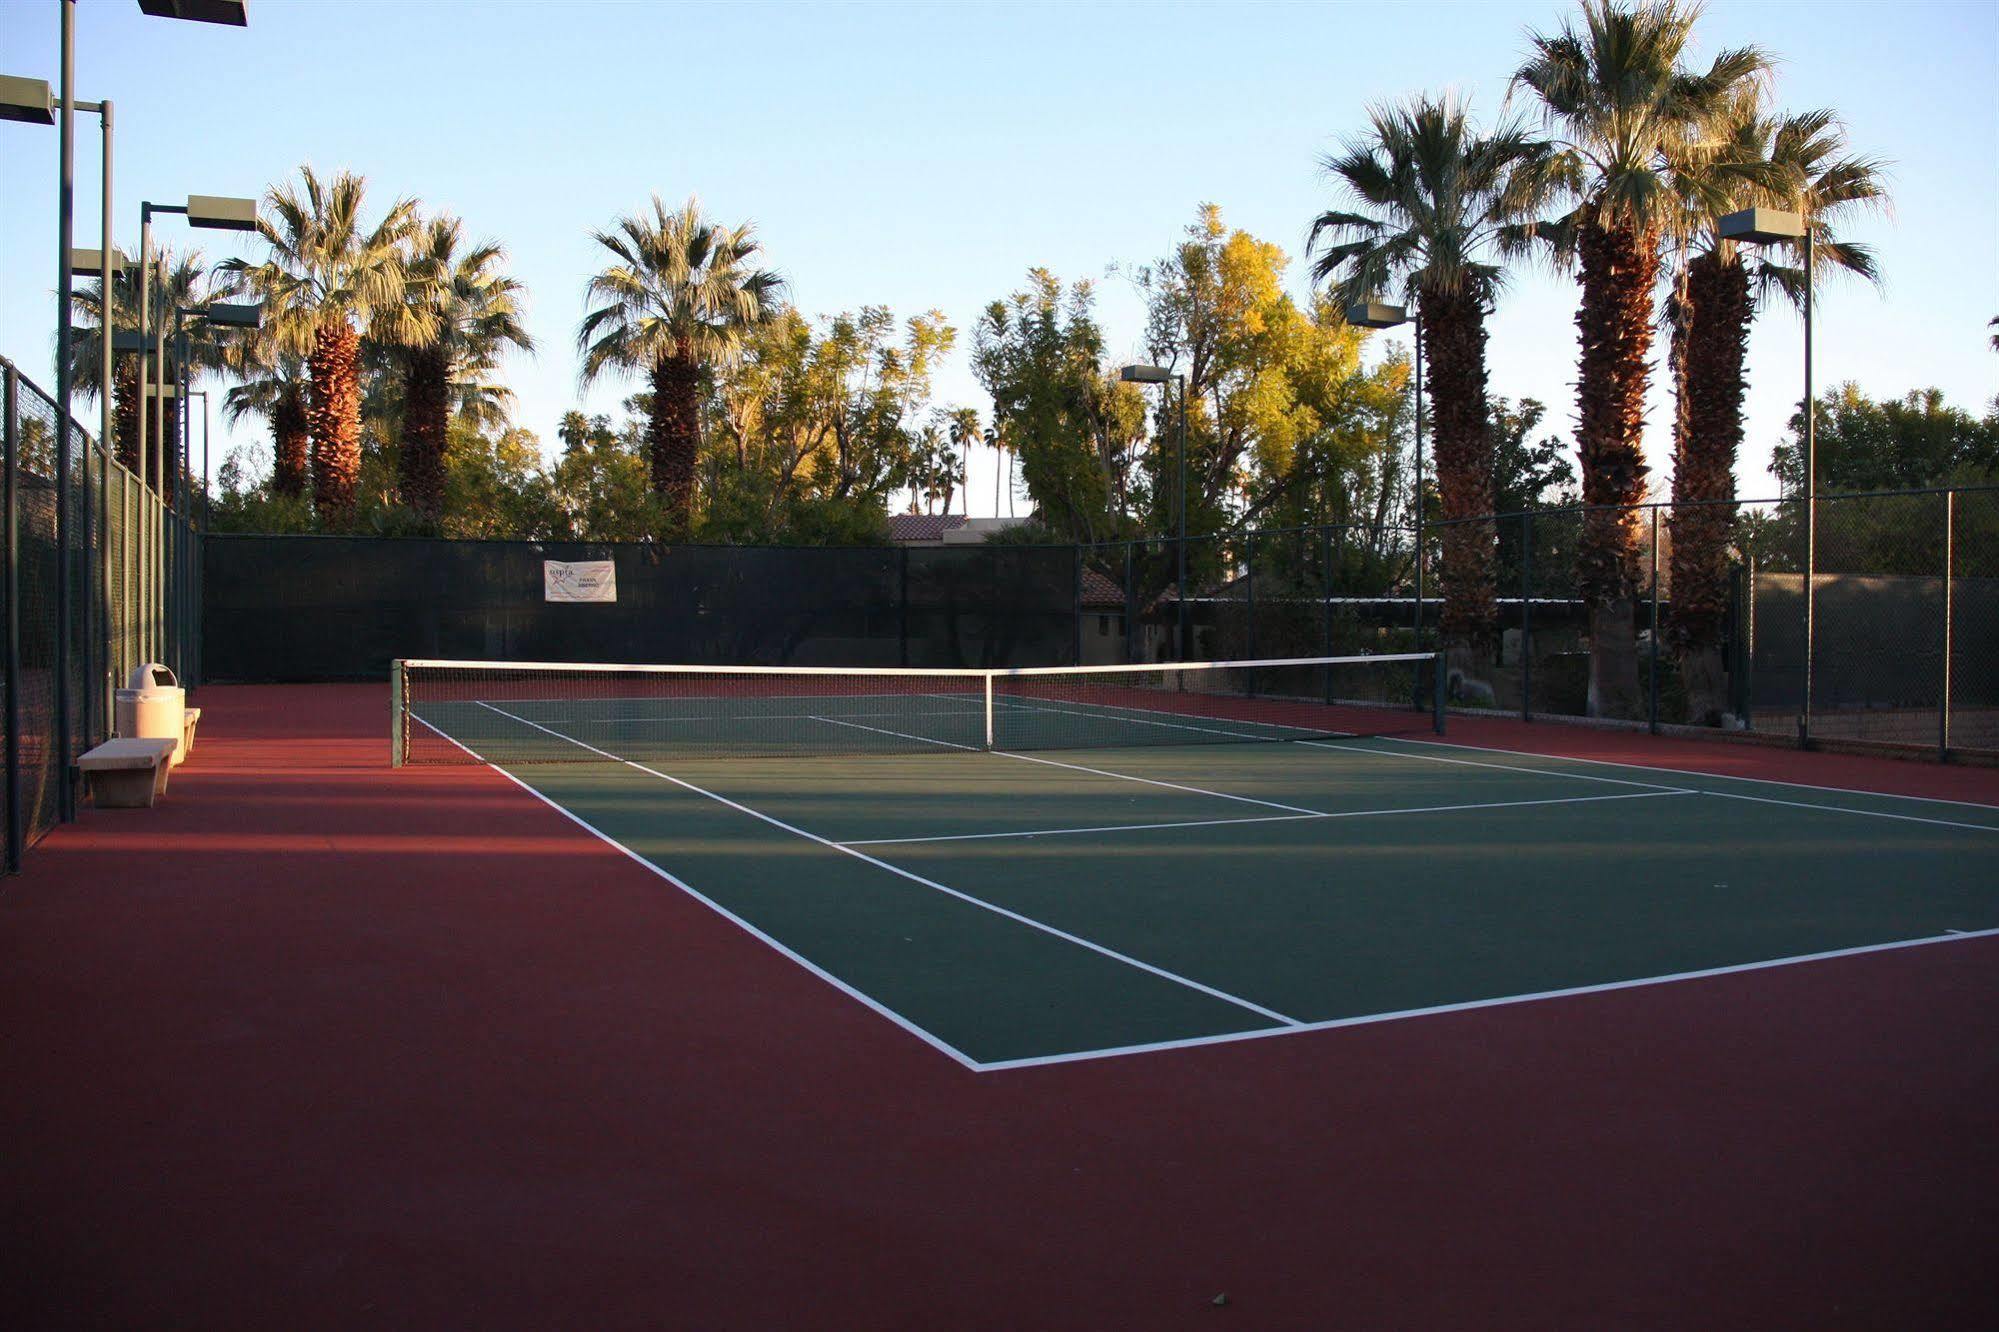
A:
(600, 485)
(813, 422)
(329, 279)
(1618, 99)
(679, 299)
(1431, 199)
(1075, 431)
(1911, 442)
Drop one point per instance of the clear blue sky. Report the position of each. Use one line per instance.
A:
(927, 156)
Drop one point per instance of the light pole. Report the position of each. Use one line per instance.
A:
(214, 213)
(1375, 314)
(1159, 374)
(215, 314)
(1770, 226)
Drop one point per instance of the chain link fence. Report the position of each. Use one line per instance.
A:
(78, 523)
(1706, 627)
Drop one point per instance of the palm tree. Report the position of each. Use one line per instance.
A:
(680, 298)
(1793, 162)
(330, 279)
(1002, 453)
(1618, 100)
(1431, 200)
(473, 314)
(964, 431)
(272, 383)
(178, 281)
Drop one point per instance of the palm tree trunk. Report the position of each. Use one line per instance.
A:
(673, 440)
(291, 435)
(125, 414)
(1619, 264)
(335, 417)
(426, 423)
(1453, 331)
(1714, 332)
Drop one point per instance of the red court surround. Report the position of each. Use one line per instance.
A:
(315, 1044)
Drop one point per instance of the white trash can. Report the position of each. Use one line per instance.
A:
(154, 707)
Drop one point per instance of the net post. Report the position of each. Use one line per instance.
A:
(1437, 681)
(398, 715)
(987, 680)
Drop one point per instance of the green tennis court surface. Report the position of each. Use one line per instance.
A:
(1019, 907)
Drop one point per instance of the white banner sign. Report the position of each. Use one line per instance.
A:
(585, 580)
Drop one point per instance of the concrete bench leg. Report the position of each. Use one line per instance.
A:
(127, 788)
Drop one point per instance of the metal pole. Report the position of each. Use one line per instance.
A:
(16, 834)
(1417, 311)
(1652, 675)
(1076, 604)
(1811, 505)
(65, 207)
(1130, 616)
(142, 556)
(1249, 590)
(1526, 617)
(1438, 671)
(1181, 573)
(185, 379)
(902, 607)
(107, 427)
(1943, 705)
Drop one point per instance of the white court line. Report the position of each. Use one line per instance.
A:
(1076, 767)
(1501, 767)
(1682, 772)
(1229, 1038)
(873, 1005)
(913, 877)
(1271, 818)
(1866, 813)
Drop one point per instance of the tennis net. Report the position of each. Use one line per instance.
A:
(551, 712)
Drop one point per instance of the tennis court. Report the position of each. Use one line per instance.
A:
(1026, 867)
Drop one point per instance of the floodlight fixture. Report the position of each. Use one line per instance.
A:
(1761, 226)
(220, 213)
(29, 101)
(1376, 314)
(221, 315)
(1145, 374)
(229, 13)
(90, 263)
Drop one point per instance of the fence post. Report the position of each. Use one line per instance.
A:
(1526, 616)
(1652, 675)
(1949, 589)
(1249, 584)
(1130, 601)
(1811, 595)
(1076, 605)
(1326, 603)
(9, 428)
(902, 606)
(1749, 646)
